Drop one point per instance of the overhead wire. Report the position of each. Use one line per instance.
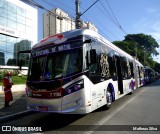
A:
(98, 24)
(112, 12)
(113, 20)
(56, 15)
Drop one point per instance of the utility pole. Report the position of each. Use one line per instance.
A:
(136, 50)
(78, 14)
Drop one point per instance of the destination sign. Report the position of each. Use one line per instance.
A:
(55, 48)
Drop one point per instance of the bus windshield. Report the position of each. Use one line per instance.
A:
(56, 65)
(37, 68)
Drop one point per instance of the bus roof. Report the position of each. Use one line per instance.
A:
(138, 63)
(62, 37)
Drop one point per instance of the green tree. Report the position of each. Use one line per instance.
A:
(125, 46)
(140, 45)
(157, 67)
(144, 43)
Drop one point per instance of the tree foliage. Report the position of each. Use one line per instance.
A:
(140, 45)
(144, 42)
(157, 67)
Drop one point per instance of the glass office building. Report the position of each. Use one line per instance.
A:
(18, 31)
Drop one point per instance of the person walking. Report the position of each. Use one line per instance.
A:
(7, 83)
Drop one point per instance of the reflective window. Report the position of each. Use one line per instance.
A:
(3, 4)
(3, 46)
(15, 18)
(2, 37)
(21, 27)
(21, 19)
(12, 24)
(3, 21)
(9, 59)
(2, 60)
(9, 50)
(10, 47)
(3, 12)
(28, 30)
(28, 14)
(12, 16)
(12, 7)
(11, 39)
(20, 11)
(29, 22)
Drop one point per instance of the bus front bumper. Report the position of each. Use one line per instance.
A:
(56, 106)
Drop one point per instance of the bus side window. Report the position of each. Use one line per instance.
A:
(131, 67)
(112, 68)
(94, 69)
(126, 71)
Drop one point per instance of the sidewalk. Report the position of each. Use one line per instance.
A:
(18, 105)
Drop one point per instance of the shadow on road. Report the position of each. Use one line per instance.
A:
(18, 105)
(154, 83)
(53, 121)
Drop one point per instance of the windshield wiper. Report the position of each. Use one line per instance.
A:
(59, 75)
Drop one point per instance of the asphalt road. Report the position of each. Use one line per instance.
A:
(139, 111)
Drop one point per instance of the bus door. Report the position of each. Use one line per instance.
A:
(119, 74)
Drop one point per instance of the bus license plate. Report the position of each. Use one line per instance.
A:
(41, 108)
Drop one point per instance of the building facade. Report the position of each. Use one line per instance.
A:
(53, 24)
(18, 31)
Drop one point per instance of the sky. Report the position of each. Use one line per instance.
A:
(111, 16)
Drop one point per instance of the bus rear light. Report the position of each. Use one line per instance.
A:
(74, 87)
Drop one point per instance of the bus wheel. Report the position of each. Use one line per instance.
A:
(108, 99)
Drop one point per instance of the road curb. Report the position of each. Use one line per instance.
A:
(16, 115)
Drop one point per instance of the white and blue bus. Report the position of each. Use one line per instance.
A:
(78, 72)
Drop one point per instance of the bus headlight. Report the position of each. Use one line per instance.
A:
(74, 87)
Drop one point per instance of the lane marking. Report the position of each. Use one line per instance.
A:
(101, 122)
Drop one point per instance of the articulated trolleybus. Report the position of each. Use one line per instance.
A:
(77, 72)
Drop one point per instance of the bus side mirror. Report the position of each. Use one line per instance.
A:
(91, 57)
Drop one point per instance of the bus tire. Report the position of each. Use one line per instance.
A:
(108, 99)
(131, 92)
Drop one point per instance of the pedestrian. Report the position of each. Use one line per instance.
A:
(7, 83)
